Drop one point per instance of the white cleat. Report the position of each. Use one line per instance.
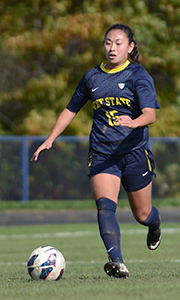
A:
(154, 239)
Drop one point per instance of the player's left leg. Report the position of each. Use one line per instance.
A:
(146, 214)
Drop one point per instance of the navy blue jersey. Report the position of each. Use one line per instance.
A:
(122, 91)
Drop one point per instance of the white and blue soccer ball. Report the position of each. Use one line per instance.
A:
(46, 263)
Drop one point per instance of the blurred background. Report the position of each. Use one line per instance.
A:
(45, 48)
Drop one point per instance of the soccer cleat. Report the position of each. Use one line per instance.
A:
(116, 268)
(154, 238)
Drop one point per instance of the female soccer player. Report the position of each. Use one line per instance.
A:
(124, 101)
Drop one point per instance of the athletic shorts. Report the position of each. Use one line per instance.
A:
(135, 169)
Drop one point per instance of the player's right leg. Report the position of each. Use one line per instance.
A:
(105, 189)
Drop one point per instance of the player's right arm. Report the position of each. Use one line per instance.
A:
(64, 119)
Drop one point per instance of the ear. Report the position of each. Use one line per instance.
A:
(131, 47)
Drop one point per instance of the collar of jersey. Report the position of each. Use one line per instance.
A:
(114, 70)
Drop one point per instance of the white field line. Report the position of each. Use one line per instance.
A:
(68, 234)
(10, 263)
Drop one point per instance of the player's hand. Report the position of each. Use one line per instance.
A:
(126, 121)
(45, 146)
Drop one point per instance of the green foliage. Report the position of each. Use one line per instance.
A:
(46, 46)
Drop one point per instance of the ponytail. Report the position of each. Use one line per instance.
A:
(134, 55)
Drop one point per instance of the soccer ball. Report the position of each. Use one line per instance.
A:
(46, 263)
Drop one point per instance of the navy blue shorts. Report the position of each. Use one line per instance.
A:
(135, 169)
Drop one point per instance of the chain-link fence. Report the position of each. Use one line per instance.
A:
(62, 173)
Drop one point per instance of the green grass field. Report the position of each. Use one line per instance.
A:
(153, 274)
(43, 205)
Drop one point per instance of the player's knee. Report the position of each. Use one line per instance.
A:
(141, 216)
(152, 220)
(104, 203)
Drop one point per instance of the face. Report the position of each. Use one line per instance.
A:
(117, 48)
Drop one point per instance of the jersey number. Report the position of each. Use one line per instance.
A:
(111, 117)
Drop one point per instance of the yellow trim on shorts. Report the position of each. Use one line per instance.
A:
(90, 159)
(148, 160)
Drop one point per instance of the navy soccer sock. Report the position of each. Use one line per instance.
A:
(109, 227)
(153, 220)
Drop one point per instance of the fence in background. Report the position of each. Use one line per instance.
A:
(61, 173)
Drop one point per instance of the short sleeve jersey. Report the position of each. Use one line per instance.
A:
(122, 91)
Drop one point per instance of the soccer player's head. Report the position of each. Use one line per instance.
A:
(123, 33)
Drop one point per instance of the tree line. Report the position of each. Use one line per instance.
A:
(47, 45)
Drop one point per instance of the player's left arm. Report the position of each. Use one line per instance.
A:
(147, 117)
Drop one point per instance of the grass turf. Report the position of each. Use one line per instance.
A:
(75, 204)
(153, 274)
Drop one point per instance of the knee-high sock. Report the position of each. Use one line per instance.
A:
(109, 227)
(153, 220)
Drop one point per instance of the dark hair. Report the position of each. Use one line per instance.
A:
(134, 55)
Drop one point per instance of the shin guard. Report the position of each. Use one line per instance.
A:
(109, 227)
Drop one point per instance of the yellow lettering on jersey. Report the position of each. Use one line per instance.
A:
(107, 101)
(128, 102)
(118, 102)
(112, 100)
(94, 105)
(125, 101)
(97, 103)
(101, 101)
